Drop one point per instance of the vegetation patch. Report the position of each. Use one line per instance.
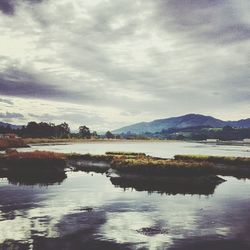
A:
(13, 154)
(215, 159)
(90, 157)
(38, 167)
(119, 153)
(6, 143)
(150, 165)
(123, 163)
(223, 165)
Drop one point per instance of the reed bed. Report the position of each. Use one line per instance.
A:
(214, 159)
(89, 157)
(12, 143)
(151, 165)
(35, 154)
(32, 161)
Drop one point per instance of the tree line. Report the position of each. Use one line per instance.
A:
(51, 130)
(226, 133)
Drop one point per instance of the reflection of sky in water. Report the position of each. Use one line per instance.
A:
(160, 149)
(119, 216)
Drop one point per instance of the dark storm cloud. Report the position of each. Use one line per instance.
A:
(16, 83)
(208, 20)
(21, 84)
(9, 115)
(8, 6)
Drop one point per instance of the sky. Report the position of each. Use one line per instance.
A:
(111, 63)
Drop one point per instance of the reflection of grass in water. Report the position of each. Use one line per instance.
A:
(40, 178)
(30, 168)
(202, 185)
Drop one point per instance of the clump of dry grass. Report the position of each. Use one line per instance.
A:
(11, 143)
(126, 155)
(120, 153)
(35, 155)
(30, 161)
(215, 159)
(151, 165)
(89, 157)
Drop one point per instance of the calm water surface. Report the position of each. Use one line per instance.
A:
(159, 149)
(86, 211)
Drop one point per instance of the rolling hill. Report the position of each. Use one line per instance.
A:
(4, 124)
(189, 120)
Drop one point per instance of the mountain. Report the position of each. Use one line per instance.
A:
(189, 120)
(4, 124)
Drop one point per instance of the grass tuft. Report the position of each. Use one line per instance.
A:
(11, 143)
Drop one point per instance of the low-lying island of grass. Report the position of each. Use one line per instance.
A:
(38, 167)
(183, 174)
(221, 165)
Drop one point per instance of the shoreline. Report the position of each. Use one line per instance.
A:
(75, 141)
(123, 169)
(130, 163)
(46, 141)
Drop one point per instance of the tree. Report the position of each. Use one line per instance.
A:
(84, 132)
(62, 130)
(109, 135)
(94, 134)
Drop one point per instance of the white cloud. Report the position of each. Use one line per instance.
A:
(150, 59)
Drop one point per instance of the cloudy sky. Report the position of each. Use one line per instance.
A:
(109, 63)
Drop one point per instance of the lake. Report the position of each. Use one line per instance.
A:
(153, 148)
(86, 211)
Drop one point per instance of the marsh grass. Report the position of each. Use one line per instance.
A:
(89, 157)
(125, 154)
(13, 154)
(150, 165)
(33, 168)
(12, 143)
(126, 163)
(214, 159)
(32, 164)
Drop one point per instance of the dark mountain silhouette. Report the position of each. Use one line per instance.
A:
(12, 126)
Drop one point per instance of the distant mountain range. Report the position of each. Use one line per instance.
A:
(189, 120)
(4, 124)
